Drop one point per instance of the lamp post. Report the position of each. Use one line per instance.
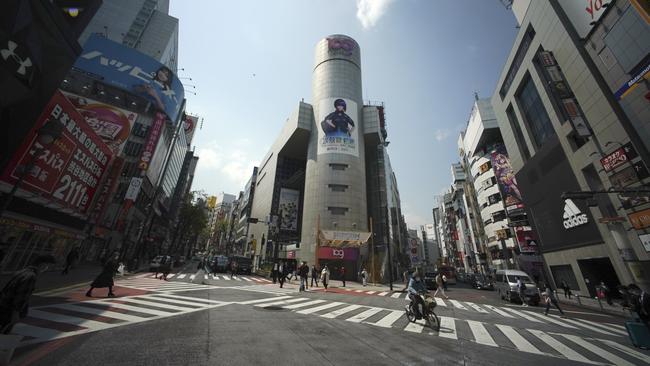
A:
(45, 136)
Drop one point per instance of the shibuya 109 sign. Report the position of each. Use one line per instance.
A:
(69, 170)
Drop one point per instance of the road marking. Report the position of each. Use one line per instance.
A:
(457, 304)
(604, 326)
(182, 276)
(597, 350)
(263, 300)
(135, 308)
(33, 331)
(81, 322)
(586, 326)
(382, 293)
(525, 316)
(549, 319)
(174, 301)
(319, 308)
(342, 311)
(447, 328)
(206, 277)
(627, 350)
(192, 277)
(388, 320)
(246, 279)
(226, 278)
(282, 302)
(416, 327)
(152, 302)
(481, 334)
(95, 311)
(198, 299)
(517, 340)
(171, 275)
(498, 311)
(370, 292)
(235, 278)
(559, 347)
(358, 290)
(440, 302)
(476, 307)
(303, 304)
(395, 295)
(364, 315)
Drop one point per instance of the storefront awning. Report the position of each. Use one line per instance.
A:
(343, 239)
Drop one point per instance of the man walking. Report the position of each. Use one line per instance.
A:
(315, 273)
(105, 278)
(521, 288)
(165, 267)
(567, 289)
(70, 259)
(549, 298)
(440, 286)
(325, 277)
(14, 298)
(274, 272)
(282, 274)
(342, 274)
(364, 277)
(233, 269)
(304, 274)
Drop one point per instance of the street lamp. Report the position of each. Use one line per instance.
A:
(45, 136)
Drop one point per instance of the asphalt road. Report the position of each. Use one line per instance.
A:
(249, 321)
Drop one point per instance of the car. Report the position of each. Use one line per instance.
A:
(506, 286)
(155, 263)
(430, 280)
(219, 263)
(482, 282)
(244, 264)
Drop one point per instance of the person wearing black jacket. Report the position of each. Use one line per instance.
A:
(105, 278)
(304, 274)
(282, 274)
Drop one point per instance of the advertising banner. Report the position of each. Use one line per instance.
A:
(584, 14)
(347, 254)
(526, 240)
(134, 189)
(189, 127)
(130, 70)
(152, 141)
(107, 189)
(289, 205)
(640, 220)
(338, 132)
(68, 171)
(112, 124)
(506, 178)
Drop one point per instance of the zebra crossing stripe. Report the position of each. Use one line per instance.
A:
(549, 319)
(302, 305)
(517, 340)
(263, 300)
(457, 304)
(104, 313)
(389, 319)
(632, 352)
(82, 322)
(605, 327)
(447, 328)
(523, 315)
(134, 308)
(597, 350)
(282, 302)
(151, 302)
(342, 311)
(171, 275)
(440, 302)
(192, 277)
(185, 297)
(205, 276)
(319, 308)
(176, 301)
(592, 328)
(364, 315)
(481, 334)
(395, 295)
(370, 292)
(226, 278)
(182, 276)
(416, 327)
(476, 307)
(382, 293)
(34, 331)
(560, 347)
(246, 279)
(498, 311)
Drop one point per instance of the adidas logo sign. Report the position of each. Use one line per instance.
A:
(572, 215)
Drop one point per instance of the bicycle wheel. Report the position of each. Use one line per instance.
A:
(410, 315)
(434, 321)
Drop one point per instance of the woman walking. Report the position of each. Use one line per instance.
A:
(325, 277)
(314, 276)
(105, 278)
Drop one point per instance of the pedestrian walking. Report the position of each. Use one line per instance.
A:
(14, 298)
(406, 278)
(567, 289)
(165, 267)
(274, 272)
(70, 259)
(364, 277)
(315, 273)
(604, 293)
(521, 288)
(282, 274)
(549, 298)
(325, 276)
(304, 274)
(233, 268)
(342, 274)
(444, 282)
(105, 278)
(440, 285)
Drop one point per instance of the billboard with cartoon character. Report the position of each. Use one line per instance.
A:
(338, 131)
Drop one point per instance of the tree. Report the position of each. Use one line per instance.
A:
(192, 222)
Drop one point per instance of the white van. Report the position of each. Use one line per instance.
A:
(505, 283)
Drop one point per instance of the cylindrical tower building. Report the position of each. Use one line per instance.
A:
(335, 182)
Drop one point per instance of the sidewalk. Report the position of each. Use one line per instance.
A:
(594, 304)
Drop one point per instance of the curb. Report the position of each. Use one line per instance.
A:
(620, 314)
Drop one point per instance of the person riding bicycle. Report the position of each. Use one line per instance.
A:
(416, 286)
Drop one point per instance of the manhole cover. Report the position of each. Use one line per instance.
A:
(273, 308)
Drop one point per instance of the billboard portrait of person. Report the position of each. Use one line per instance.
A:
(162, 82)
(338, 123)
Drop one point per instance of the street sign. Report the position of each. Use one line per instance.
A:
(613, 160)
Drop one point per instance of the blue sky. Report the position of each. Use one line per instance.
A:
(251, 63)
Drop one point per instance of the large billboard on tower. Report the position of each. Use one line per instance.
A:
(338, 130)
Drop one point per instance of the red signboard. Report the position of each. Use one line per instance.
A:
(291, 254)
(68, 171)
(347, 254)
(152, 141)
(640, 220)
(526, 240)
(613, 160)
(109, 185)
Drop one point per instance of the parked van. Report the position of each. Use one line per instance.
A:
(505, 283)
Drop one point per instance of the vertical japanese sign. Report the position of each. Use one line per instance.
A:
(68, 171)
(107, 189)
(152, 141)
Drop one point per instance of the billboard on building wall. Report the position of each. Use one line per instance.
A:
(289, 206)
(125, 68)
(68, 171)
(152, 141)
(338, 131)
(526, 240)
(189, 127)
(111, 123)
(506, 178)
(584, 14)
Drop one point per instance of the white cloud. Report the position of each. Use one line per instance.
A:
(441, 134)
(413, 220)
(230, 167)
(370, 11)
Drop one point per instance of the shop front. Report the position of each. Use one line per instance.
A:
(337, 258)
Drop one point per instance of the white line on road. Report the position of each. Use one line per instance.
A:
(171, 275)
(192, 277)
(283, 302)
(342, 311)
(370, 292)
(627, 350)
(33, 331)
(586, 326)
(382, 293)
(549, 319)
(319, 308)
(500, 312)
(415, 327)
(597, 350)
(182, 276)
(175, 301)
(481, 334)
(395, 295)
(604, 326)
(457, 304)
(81, 322)
(358, 290)
(134, 308)
(246, 279)
(152, 302)
(389, 319)
(364, 315)
(520, 342)
(559, 347)
(440, 302)
(447, 328)
(303, 304)
(476, 307)
(263, 300)
(525, 316)
(100, 312)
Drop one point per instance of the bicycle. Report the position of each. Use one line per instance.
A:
(430, 317)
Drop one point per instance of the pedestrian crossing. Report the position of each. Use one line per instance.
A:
(151, 284)
(211, 276)
(50, 322)
(266, 289)
(578, 346)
